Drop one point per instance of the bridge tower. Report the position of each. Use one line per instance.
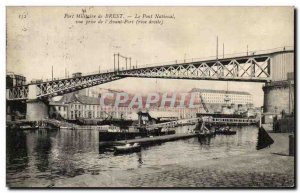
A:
(36, 109)
(279, 92)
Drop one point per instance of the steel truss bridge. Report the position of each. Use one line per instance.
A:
(249, 68)
(254, 69)
(59, 87)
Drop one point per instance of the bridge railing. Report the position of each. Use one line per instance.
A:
(233, 55)
(66, 77)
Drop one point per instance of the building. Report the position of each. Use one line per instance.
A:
(75, 105)
(218, 96)
(215, 99)
(15, 109)
(96, 91)
(13, 79)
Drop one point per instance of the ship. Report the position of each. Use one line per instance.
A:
(228, 110)
(146, 126)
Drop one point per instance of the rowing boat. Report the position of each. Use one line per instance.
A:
(127, 148)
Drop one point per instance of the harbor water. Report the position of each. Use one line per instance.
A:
(46, 155)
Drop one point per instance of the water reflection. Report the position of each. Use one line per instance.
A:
(16, 156)
(140, 160)
(69, 150)
(43, 149)
(68, 153)
(204, 140)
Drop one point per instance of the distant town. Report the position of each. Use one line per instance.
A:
(85, 104)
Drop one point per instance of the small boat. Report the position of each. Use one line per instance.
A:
(224, 131)
(26, 127)
(65, 127)
(127, 148)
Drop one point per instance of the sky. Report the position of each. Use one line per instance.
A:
(40, 37)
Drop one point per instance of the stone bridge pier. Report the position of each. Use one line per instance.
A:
(36, 109)
(279, 93)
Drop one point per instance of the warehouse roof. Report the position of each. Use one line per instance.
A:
(73, 97)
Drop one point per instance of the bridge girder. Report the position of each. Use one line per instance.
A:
(17, 93)
(255, 69)
(53, 88)
(60, 87)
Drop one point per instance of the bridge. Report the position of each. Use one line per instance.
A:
(251, 68)
(260, 66)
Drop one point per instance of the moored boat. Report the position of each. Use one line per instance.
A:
(65, 127)
(25, 127)
(128, 148)
(225, 131)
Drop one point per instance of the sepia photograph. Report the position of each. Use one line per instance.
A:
(150, 97)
